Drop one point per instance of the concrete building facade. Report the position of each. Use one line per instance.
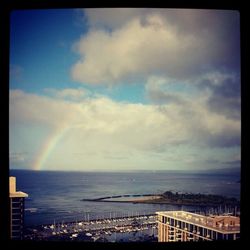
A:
(186, 226)
(16, 210)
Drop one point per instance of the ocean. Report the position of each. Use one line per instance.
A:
(56, 196)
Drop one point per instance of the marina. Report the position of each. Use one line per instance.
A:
(120, 229)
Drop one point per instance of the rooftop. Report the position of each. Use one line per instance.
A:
(13, 193)
(18, 195)
(219, 223)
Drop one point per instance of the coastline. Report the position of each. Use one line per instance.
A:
(174, 199)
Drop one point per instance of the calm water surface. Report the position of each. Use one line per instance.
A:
(57, 195)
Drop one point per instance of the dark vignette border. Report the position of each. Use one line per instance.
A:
(6, 6)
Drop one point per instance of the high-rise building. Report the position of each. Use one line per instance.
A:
(186, 226)
(16, 210)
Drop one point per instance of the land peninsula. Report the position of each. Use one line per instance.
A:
(172, 198)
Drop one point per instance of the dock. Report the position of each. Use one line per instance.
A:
(100, 229)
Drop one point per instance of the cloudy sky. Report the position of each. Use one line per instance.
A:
(125, 89)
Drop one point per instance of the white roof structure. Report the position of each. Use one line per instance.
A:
(13, 193)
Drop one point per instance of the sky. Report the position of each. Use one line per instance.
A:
(125, 89)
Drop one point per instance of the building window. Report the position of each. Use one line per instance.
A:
(171, 222)
(214, 235)
(177, 223)
(161, 219)
(16, 227)
(220, 236)
(16, 216)
(16, 234)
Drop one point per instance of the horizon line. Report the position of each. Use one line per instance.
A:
(130, 170)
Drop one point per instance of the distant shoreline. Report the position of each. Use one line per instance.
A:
(171, 199)
(224, 171)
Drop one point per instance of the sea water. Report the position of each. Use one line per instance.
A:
(56, 196)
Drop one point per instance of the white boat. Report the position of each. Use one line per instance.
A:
(31, 210)
(94, 238)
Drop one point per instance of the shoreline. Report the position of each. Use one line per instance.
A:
(155, 202)
(170, 198)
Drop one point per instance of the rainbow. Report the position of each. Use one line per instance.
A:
(48, 146)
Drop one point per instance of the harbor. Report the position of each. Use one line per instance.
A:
(120, 229)
(114, 228)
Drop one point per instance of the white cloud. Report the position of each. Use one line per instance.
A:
(34, 109)
(131, 51)
(112, 18)
(133, 125)
(152, 42)
(17, 157)
(69, 93)
(99, 127)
